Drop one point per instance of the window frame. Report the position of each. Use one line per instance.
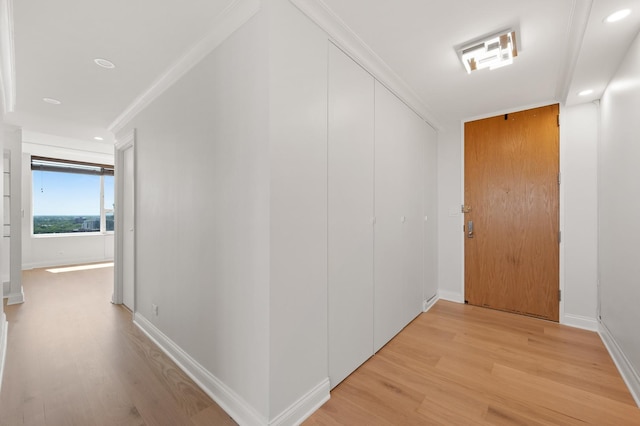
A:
(59, 165)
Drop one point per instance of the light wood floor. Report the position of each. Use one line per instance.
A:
(75, 359)
(463, 365)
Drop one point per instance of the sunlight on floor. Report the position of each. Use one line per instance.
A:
(80, 268)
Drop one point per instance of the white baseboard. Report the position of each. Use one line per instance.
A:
(451, 296)
(305, 406)
(51, 263)
(15, 298)
(4, 330)
(428, 303)
(578, 321)
(626, 369)
(230, 402)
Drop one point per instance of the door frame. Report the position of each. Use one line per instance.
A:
(561, 194)
(122, 144)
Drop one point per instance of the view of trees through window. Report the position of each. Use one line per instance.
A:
(68, 202)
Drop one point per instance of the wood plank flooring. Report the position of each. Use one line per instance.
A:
(75, 359)
(464, 365)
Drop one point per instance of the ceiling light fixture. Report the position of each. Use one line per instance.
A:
(586, 92)
(617, 16)
(98, 138)
(51, 101)
(104, 63)
(490, 52)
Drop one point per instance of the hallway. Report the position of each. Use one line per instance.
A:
(74, 358)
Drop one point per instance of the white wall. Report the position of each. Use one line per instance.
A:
(619, 213)
(430, 255)
(298, 157)
(579, 198)
(202, 215)
(53, 250)
(450, 241)
(578, 137)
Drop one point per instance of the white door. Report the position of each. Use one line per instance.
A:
(399, 158)
(128, 247)
(350, 214)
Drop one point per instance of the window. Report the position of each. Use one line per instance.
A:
(71, 197)
(109, 201)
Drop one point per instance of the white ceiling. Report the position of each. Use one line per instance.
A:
(564, 47)
(57, 41)
(603, 47)
(418, 38)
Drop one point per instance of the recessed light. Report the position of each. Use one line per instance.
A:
(617, 16)
(104, 63)
(585, 92)
(98, 138)
(52, 101)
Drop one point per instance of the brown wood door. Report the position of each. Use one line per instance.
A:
(511, 187)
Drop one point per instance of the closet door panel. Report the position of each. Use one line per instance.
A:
(350, 213)
(399, 195)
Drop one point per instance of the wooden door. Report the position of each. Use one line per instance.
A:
(512, 197)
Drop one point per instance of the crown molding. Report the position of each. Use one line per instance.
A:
(349, 42)
(126, 140)
(231, 19)
(7, 57)
(576, 28)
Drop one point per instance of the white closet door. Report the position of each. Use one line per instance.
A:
(350, 213)
(399, 195)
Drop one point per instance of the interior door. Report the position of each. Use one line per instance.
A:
(400, 151)
(128, 247)
(350, 214)
(512, 212)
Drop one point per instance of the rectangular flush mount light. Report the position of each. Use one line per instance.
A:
(490, 52)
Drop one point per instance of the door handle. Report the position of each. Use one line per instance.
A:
(470, 229)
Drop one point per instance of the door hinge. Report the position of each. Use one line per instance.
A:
(559, 236)
(559, 295)
(558, 116)
(559, 178)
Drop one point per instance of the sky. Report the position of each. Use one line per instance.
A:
(69, 194)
